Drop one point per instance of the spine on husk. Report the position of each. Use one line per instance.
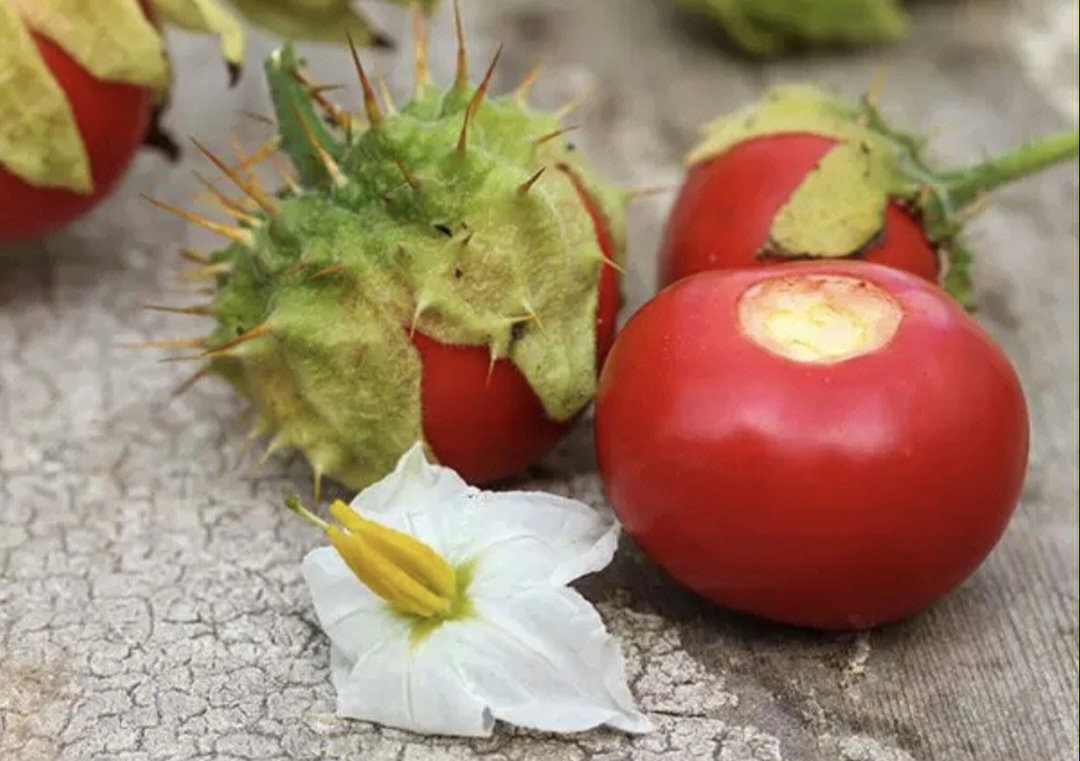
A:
(839, 207)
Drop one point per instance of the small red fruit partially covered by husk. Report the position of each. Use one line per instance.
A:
(804, 174)
(444, 274)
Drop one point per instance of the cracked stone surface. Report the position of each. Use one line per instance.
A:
(150, 600)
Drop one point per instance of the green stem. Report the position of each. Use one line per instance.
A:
(965, 185)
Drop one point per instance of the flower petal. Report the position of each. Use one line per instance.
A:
(414, 483)
(354, 618)
(531, 537)
(379, 672)
(527, 539)
(543, 660)
(411, 685)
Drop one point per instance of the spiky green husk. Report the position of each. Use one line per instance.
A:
(770, 27)
(403, 227)
(839, 208)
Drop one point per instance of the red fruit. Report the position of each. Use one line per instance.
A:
(483, 419)
(803, 174)
(722, 215)
(832, 445)
(113, 119)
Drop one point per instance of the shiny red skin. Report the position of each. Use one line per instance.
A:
(113, 119)
(484, 420)
(726, 205)
(834, 496)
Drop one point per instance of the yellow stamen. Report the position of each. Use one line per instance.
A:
(415, 558)
(385, 578)
(411, 576)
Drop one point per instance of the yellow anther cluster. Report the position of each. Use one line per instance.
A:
(411, 576)
(401, 569)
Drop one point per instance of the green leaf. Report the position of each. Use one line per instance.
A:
(112, 39)
(39, 138)
(207, 16)
(850, 22)
(957, 279)
(837, 210)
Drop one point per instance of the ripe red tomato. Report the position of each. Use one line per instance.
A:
(113, 119)
(484, 420)
(726, 205)
(836, 493)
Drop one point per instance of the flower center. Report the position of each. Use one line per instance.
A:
(407, 573)
(818, 319)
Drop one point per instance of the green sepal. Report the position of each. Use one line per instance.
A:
(838, 209)
(207, 16)
(957, 280)
(297, 119)
(771, 27)
(112, 39)
(39, 138)
(336, 377)
(795, 108)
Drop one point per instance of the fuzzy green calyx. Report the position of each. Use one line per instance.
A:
(207, 16)
(328, 20)
(770, 27)
(839, 207)
(407, 226)
(112, 39)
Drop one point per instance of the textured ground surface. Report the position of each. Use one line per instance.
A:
(150, 601)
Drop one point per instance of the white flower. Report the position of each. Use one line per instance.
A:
(505, 638)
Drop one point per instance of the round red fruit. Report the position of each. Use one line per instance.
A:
(727, 204)
(833, 445)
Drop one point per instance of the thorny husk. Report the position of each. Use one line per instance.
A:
(432, 219)
(839, 207)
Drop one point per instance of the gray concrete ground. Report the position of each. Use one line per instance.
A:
(150, 600)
